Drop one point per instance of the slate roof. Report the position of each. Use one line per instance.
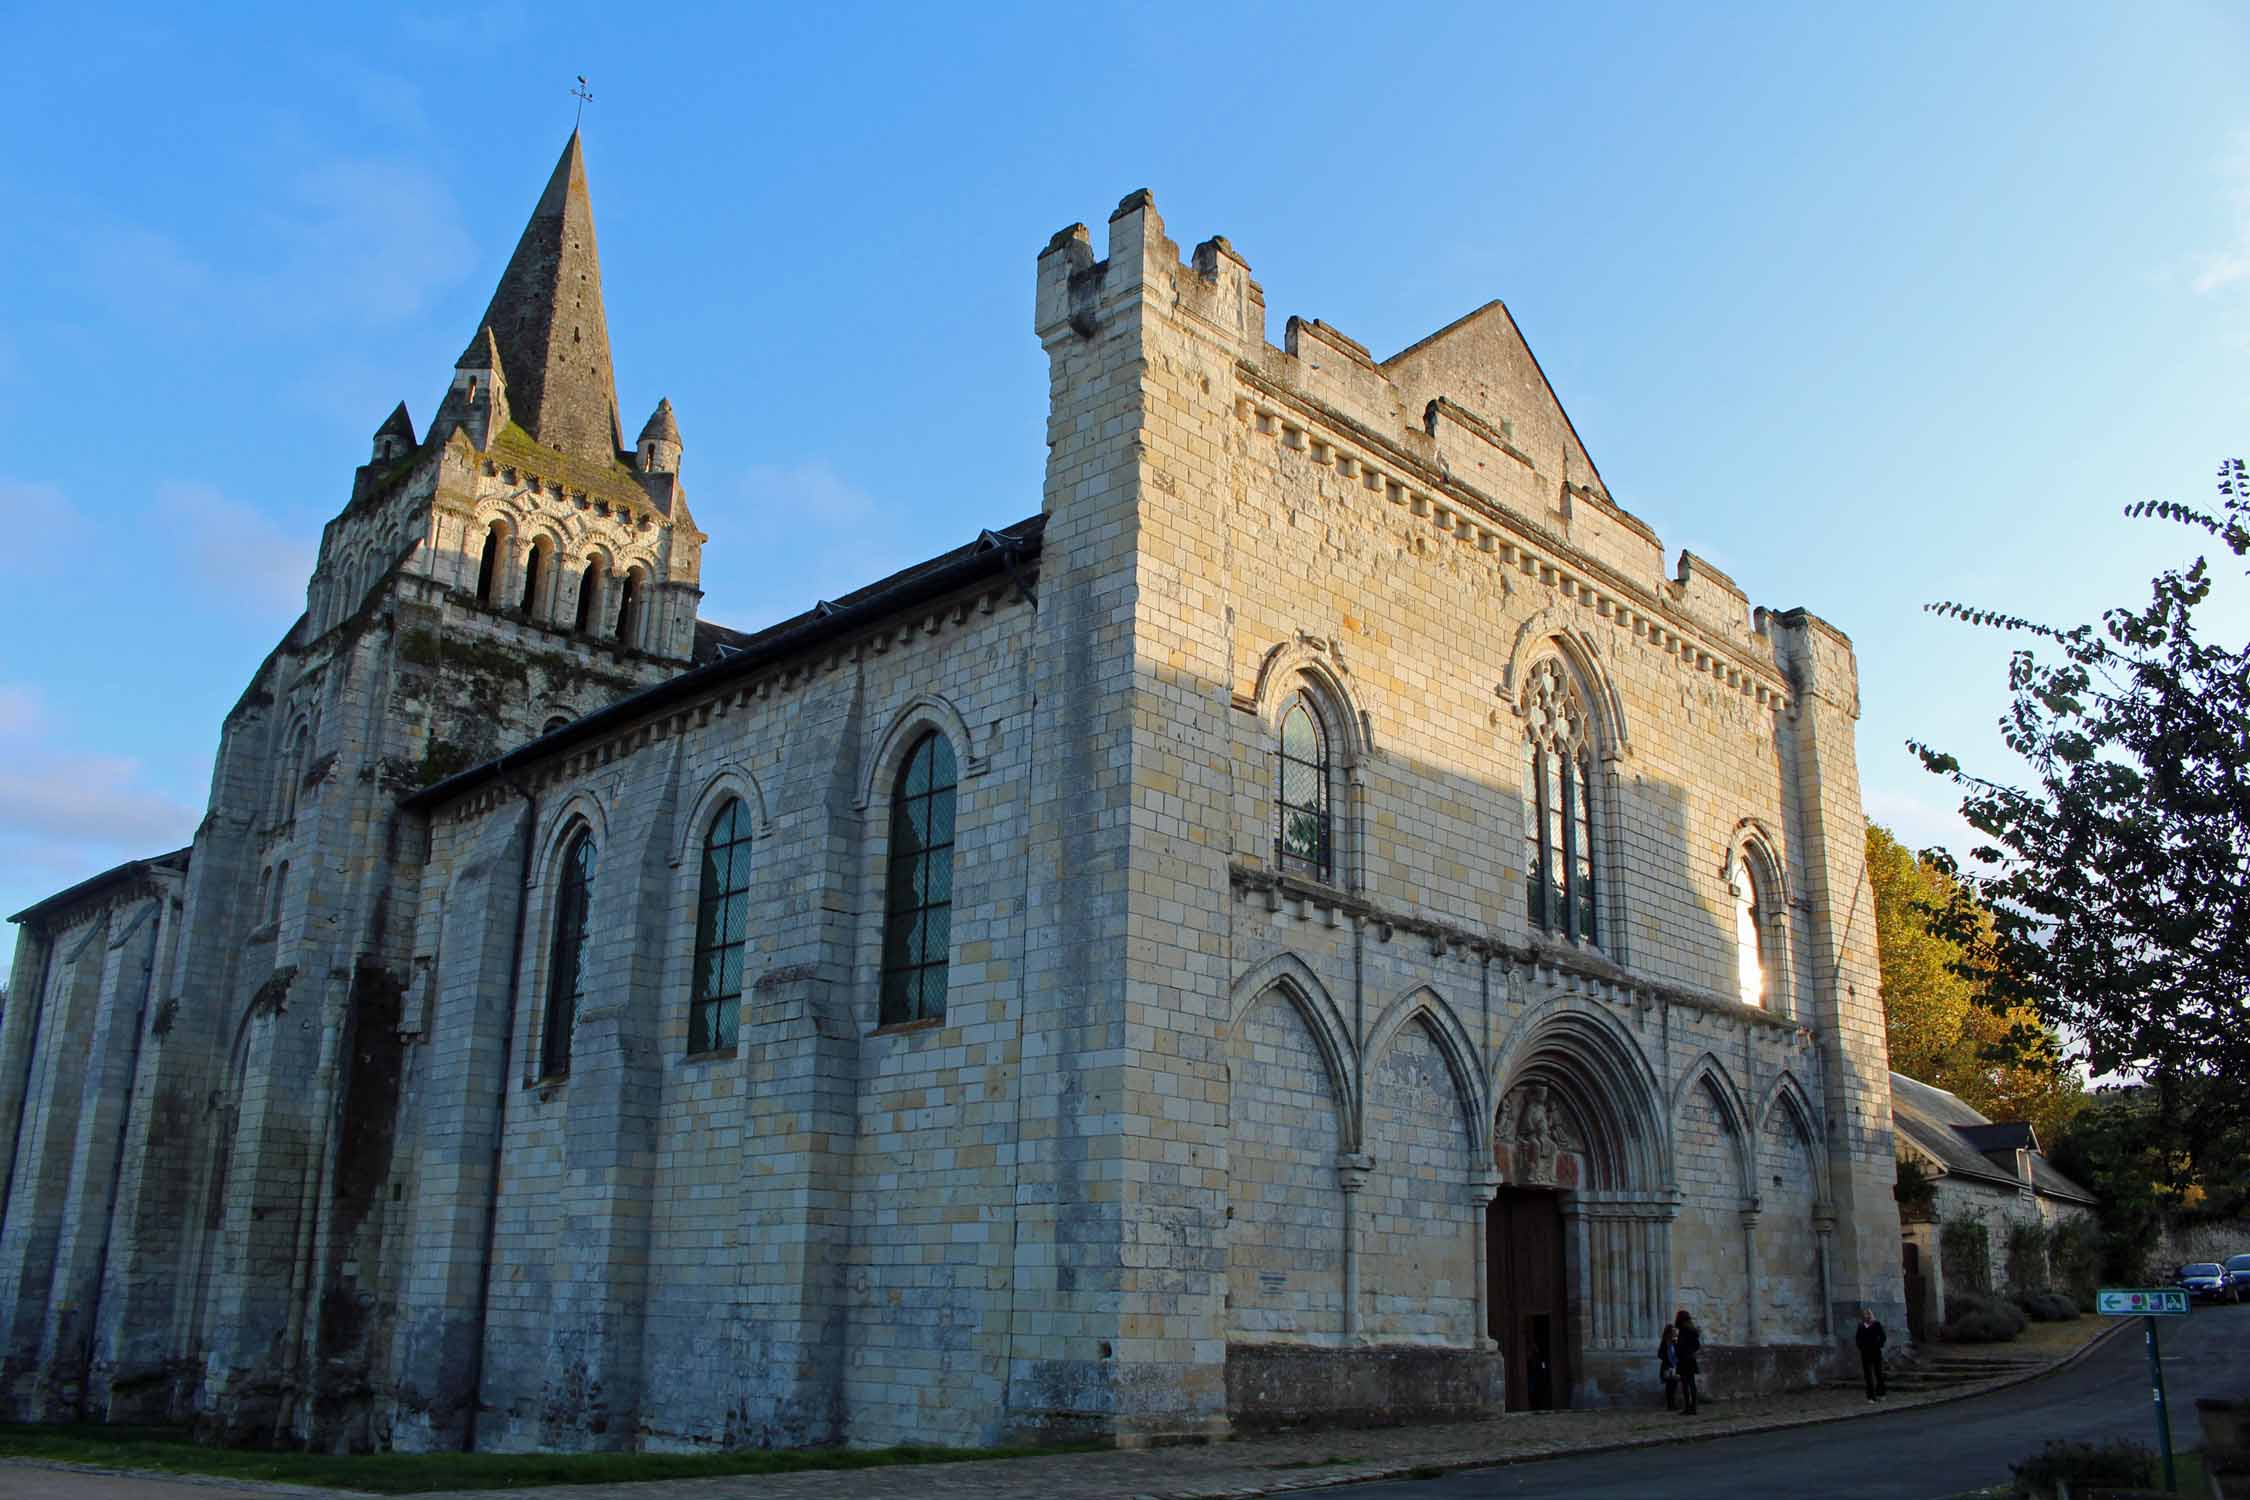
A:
(1958, 1137)
(116, 875)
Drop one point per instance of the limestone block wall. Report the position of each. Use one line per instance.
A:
(796, 1237)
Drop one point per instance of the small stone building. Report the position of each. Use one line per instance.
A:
(1995, 1173)
(1315, 920)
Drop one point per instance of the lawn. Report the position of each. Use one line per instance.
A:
(170, 1451)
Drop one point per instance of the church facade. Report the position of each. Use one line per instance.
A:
(1317, 922)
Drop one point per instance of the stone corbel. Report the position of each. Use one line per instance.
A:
(1352, 1168)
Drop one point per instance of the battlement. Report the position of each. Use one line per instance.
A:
(1467, 406)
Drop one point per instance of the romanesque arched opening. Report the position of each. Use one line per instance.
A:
(1578, 1241)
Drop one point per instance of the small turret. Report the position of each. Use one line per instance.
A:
(659, 446)
(478, 401)
(395, 438)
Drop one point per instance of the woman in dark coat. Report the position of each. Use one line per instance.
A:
(1668, 1366)
(1687, 1343)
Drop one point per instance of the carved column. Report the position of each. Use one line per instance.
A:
(1352, 1168)
(1483, 1188)
(1750, 1270)
(1824, 1226)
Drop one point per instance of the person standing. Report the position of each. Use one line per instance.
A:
(1687, 1346)
(1871, 1338)
(1668, 1365)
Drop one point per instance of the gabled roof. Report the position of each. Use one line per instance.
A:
(547, 316)
(1949, 1131)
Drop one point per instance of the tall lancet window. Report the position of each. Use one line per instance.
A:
(918, 905)
(1749, 929)
(1304, 830)
(566, 957)
(1561, 822)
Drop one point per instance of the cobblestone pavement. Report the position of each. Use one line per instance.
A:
(1220, 1471)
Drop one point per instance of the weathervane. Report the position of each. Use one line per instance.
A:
(584, 96)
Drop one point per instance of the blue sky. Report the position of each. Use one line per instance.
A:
(1870, 305)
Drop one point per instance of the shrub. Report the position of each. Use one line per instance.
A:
(1965, 1251)
(2076, 1254)
(2047, 1307)
(2115, 1465)
(1974, 1318)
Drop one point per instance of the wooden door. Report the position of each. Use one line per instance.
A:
(1527, 1296)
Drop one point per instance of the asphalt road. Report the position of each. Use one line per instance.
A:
(1913, 1455)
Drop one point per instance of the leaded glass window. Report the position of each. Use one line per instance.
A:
(918, 905)
(566, 960)
(1749, 932)
(1561, 819)
(722, 916)
(1302, 839)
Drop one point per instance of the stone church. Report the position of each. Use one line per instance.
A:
(1314, 922)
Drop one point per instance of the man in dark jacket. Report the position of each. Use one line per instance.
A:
(1870, 1337)
(1689, 1346)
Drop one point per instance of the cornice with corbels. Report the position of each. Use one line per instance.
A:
(1471, 518)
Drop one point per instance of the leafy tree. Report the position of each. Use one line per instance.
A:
(1938, 1031)
(2112, 894)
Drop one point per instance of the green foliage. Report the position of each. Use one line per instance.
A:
(1937, 1030)
(2075, 1254)
(2027, 1256)
(2047, 1307)
(168, 1450)
(1977, 1318)
(1965, 1253)
(2111, 898)
(2084, 1466)
(1915, 1190)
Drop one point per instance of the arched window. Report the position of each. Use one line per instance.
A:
(722, 916)
(280, 891)
(534, 574)
(488, 566)
(1750, 917)
(295, 762)
(566, 956)
(629, 610)
(1303, 829)
(1561, 825)
(918, 904)
(589, 596)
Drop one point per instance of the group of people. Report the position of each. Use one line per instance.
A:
(1679, 1359)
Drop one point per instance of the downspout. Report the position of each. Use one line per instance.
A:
(500, 1119)
(1023, 998)
(38, 1001)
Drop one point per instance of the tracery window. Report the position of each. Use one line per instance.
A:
(918, 905)
(1750, 916)
(1303, 828)
(1561, 825)
(722, 915)
(566, 956)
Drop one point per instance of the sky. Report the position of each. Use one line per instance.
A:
(1871, 306)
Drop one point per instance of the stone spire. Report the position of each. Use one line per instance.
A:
(547, 318)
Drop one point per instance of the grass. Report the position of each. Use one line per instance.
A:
(169, 1450)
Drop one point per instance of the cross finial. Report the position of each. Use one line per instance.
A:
(584, 96)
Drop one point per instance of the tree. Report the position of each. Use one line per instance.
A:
(1938, 1031)
(2112, 894)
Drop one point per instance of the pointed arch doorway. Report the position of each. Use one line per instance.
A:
(1578, 1241)
(1529, 1296)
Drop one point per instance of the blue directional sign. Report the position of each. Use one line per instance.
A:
(2141, 1302)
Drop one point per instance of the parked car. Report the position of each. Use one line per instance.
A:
(2238, 1275)
(2206, 1278)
